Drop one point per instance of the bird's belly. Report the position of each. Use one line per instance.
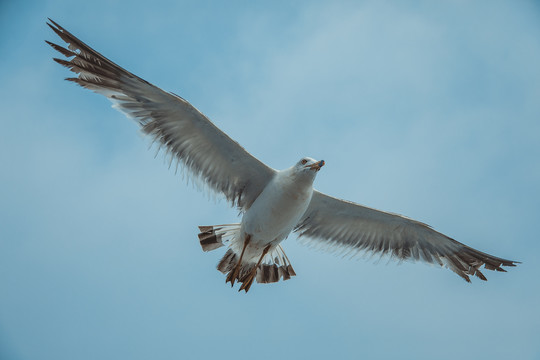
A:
(275, 213)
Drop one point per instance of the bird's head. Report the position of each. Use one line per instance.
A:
(308, 167)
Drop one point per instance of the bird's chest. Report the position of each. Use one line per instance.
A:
(276, 211)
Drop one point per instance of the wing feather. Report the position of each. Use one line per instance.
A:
(171, 121)
(343, 224)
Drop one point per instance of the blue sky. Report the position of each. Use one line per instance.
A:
(428, 109)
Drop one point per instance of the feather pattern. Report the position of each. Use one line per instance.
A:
(188, 135)
(219, 163)
(345, 225)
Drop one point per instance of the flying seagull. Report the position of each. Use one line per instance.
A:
(273, 203)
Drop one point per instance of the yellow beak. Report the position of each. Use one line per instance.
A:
(317, 166)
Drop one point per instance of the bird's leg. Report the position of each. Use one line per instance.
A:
(249, 280)
(233, 274)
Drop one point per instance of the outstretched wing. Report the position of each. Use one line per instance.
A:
(343, 224)
(174, 123)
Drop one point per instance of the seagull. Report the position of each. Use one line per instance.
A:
(272, 203)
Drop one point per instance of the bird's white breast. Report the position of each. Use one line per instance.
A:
(277, 210)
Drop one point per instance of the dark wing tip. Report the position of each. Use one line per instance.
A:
(63, 62)
(480, 275)
(67, 53)
(54, 23)
(56, 28)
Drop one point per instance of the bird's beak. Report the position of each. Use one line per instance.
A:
(317, 166)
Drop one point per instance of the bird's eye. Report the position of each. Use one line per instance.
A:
(304, 161)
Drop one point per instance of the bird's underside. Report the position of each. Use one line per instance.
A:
(220, 163)
(268, 266)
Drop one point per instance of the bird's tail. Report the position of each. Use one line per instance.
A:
(215, 236)
(264, 268)
(274, 266)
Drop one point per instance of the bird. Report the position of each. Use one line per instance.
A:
(272, 203)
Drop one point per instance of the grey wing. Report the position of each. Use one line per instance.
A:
(343, 224)
(175, 124)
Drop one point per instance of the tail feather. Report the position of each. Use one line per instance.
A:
(209, 240)
(274, 266)
(268, 274)
(213, 237)
(227, 262)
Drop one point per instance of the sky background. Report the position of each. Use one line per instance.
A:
(428, 109)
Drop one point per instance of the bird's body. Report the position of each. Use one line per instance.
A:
(272, 203)
(278, 209)
(272, 217)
